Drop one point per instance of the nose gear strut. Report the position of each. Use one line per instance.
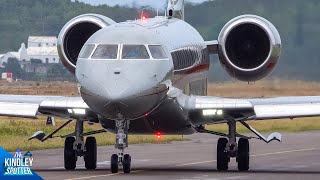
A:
(121, 159)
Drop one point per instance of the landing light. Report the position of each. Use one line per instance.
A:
(77, 111)
(212, 112)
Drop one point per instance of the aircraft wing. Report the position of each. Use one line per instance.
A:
(209, 109)
(30, 106)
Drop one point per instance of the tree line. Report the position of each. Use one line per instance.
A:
(297, 22)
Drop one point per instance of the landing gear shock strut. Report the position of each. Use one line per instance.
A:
(121, 159)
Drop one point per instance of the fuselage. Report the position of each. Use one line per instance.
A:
(166, 55)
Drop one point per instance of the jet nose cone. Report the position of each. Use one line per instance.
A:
(128, 87)
(117, 87)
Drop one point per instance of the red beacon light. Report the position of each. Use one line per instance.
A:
(144, 18)
(159, 136)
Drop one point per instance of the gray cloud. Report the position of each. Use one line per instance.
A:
(157, 4)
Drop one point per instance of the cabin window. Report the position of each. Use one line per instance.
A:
(157, 52)
(105, 51)
(86, 51)
(134, 52)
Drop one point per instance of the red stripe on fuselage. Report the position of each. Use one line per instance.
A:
(201, 67)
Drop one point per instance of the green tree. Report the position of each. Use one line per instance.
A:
(13, 66)
(58, 72)
(296, 20)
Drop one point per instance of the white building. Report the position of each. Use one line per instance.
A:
(43, 48)
(42, 41)
(39, 47)
(21, 55)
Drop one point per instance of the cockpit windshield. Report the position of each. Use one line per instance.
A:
(134, 52)
(105, 51)
(157, 52)
(86, 51)
(129, 51)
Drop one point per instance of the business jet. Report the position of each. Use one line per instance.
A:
(149, 76)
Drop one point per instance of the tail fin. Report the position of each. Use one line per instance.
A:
(176, 9)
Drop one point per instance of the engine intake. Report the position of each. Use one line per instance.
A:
(75, 33)
(249, 47)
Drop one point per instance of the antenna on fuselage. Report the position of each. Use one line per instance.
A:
(176, 9)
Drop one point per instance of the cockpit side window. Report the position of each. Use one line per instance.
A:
(105, 51)
(86, 51)
(134, 52)
(157, 52)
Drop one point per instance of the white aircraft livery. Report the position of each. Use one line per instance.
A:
(149, 76)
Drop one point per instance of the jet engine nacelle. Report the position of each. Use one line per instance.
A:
(249, 47)
(75, 33)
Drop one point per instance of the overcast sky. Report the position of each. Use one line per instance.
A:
(157, 4)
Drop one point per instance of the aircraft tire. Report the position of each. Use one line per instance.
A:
(222, 156)
(70, 157)
(90, 157)
(126, 163)
(243, 154)
(114, 163)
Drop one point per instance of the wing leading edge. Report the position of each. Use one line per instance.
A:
(30, 106)
(249, 109)
(206, 109)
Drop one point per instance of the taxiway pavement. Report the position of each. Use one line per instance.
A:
(297, 157)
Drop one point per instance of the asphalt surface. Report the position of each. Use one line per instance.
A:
(297, 157)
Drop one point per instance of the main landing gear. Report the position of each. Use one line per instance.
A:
(242, 155)
(75, 147)
(121, 159)
(228, 147)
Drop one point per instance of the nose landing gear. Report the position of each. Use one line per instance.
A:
(121, 159)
